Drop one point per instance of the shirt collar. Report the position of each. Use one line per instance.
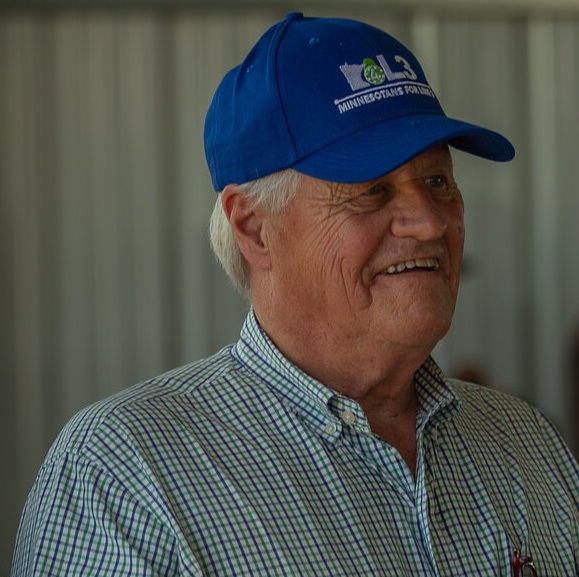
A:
(323, 409)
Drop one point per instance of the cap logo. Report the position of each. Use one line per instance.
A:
(372, 72)
(364, 80)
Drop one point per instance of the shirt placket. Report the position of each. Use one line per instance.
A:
(385, 459)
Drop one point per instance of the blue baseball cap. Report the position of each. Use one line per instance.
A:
(332, 98)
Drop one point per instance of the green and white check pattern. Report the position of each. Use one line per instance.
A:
(242, 465)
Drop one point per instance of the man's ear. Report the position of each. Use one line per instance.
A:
(246, 222)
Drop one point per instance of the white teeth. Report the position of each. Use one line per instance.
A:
(429, 263)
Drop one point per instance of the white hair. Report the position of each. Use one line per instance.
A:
(272, 193)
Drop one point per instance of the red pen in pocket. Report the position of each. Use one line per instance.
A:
(523, 566)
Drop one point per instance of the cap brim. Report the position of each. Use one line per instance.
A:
(381, 148)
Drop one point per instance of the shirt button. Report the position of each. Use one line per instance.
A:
(348, 417)
(330, 429)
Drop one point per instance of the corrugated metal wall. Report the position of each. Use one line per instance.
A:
(106, 275)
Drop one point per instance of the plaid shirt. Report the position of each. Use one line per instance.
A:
(242, 465)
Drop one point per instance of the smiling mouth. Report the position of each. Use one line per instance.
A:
(421, 263)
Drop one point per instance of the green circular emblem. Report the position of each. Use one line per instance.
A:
(372, 72)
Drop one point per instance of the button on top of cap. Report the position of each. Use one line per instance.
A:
(294, 16)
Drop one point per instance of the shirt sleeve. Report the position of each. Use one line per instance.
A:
(80, 520)
(566, 468)
(565, 463)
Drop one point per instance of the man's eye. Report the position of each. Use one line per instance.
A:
(442, 186)
(377, 189)
(436, 181)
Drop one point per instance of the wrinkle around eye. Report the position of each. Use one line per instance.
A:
(361, 197)
(374, 197)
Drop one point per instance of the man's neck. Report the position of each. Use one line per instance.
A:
(380, 380)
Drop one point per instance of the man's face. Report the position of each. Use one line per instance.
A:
(373, 263)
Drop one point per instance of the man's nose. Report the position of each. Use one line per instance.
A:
(417, 214)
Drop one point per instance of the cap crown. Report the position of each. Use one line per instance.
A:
(318, 93)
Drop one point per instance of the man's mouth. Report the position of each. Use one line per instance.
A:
(420, 263)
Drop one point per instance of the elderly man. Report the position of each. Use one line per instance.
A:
(326, 441)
